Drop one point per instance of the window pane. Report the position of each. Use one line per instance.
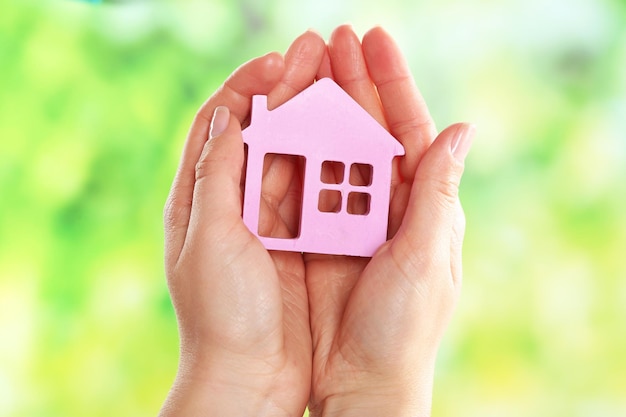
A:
(332, 172)
(361, 175)
(329, 201)
(358, 203)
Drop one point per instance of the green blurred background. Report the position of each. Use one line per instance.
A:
(95, 101)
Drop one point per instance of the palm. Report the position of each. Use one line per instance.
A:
(344, 321)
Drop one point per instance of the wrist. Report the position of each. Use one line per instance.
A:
(399, 395)
(371, 405)
(217, 388)
(194, 397)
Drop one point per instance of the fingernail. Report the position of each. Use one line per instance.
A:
(462, 141)
(349, 26)
(221, 118)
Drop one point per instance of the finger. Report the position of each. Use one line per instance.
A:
(350, 71)
(400, 197)
(325, 70)
(257, 76)
(432, 210)
(405, 110)
(216, 196)
(302, 63)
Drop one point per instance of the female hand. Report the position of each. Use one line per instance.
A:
(242, 312)
(376, 324)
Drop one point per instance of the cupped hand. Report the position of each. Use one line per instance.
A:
(376, 323)
(242, 312)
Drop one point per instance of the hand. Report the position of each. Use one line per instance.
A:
(242, 312)
(376, 324)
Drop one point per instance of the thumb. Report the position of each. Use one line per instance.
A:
(433, 204)
(216, 194)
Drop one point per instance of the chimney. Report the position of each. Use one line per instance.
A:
(259, 106)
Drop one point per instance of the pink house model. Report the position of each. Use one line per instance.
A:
(328, 131)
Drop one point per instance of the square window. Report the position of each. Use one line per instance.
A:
(359, 203)
(329, 201)
(361, 175)
(332, 172)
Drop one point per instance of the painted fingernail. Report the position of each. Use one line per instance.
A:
(221, 117)
(462, 141)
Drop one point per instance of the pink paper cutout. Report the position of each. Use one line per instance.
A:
(323, 123)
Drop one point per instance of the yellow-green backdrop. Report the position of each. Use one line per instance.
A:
(95, 100)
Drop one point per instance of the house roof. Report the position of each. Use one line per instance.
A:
(322, 118)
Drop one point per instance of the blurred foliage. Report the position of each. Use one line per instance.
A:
(95, 101)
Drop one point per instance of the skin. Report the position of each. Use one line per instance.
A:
(266, 333)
